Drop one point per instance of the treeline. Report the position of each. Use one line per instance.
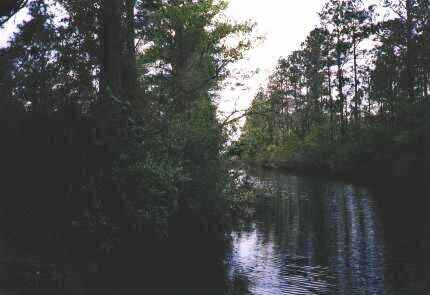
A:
(354, 99)
(111, 150)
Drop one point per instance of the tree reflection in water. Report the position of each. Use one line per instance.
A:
(315, 236)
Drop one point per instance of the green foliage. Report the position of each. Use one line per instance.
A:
(327, 108)
(187, 49)
(125, 170)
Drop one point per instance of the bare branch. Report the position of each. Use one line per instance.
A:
(247, 112)
(10, 8)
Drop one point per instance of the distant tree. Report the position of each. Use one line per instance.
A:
(354, 87)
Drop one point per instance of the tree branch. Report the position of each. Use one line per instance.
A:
(8, 10)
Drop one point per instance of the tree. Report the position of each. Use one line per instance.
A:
(187, 46)
(33, 76)
(392, 77)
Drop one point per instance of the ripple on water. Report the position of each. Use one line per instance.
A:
(313, 237)
(275, 273)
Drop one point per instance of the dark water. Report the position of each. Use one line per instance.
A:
(315, 236)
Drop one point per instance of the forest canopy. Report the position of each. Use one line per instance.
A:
(354, 96)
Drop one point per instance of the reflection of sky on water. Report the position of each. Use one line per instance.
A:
(272, 272)
(313, 238)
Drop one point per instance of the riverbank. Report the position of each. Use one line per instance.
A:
(406, 167)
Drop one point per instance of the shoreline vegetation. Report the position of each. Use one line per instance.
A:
(115, 181)
(352, 101)
(409, 172)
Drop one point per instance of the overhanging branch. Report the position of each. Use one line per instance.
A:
(8, 8)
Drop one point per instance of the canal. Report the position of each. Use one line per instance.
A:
(319, 236)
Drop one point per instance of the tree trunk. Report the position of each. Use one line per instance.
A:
(341, 94)
(130, 73)
(330, 103)
(111, 47)
(356, 98)
(410, 72)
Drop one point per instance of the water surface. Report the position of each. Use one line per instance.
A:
(316, 236)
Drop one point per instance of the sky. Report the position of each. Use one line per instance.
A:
(7, 30)
(284, 24)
